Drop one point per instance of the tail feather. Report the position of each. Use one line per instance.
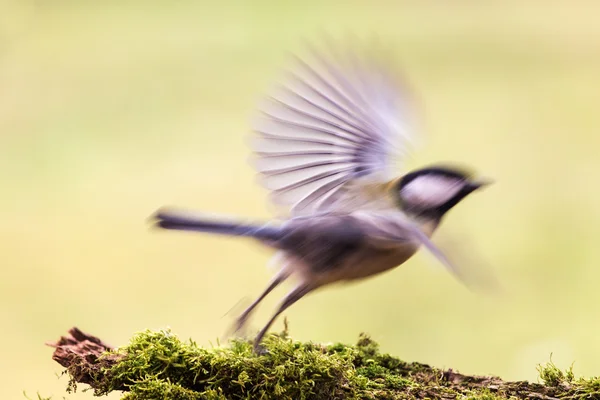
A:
(186, 221)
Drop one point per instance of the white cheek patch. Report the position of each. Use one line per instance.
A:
(430, 191)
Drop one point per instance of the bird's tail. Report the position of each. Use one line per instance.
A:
(187, 221)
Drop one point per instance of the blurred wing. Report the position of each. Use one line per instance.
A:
(388, 230)
(328, 125)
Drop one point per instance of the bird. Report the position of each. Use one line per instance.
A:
(328, 144)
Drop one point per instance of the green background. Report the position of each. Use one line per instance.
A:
(109, 110)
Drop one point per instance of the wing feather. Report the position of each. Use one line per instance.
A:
(330, 126)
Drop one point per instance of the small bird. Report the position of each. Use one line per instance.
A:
(326, 144)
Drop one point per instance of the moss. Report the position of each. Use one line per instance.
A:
(580, 388)
(158, 365)
(158, 362)
(551, 375)
(484, 394)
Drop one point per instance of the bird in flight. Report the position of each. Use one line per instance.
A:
(328, 145)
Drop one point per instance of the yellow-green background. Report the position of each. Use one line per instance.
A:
(111, 109)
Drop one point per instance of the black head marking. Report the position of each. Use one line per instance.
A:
(449, 172)
(433, 191)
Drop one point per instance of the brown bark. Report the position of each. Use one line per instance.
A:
(80, 353)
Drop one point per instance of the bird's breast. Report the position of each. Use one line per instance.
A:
(347, 247)
(357, 263)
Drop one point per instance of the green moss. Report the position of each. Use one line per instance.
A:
(484, 394)
(580, 388)
(551, 375)
(158, 362)
(158, 365)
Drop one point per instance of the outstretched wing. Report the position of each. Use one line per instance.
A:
(331, 124)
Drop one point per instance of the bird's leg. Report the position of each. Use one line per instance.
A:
(296, 294)
(243, 318)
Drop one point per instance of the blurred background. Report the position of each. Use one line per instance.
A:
(109, 110)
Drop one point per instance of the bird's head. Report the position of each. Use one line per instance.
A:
(432, 191)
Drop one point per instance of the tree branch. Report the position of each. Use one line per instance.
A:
(159, 365)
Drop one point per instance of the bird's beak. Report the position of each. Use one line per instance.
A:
(480, 183)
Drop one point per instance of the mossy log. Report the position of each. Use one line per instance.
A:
(158, 365)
